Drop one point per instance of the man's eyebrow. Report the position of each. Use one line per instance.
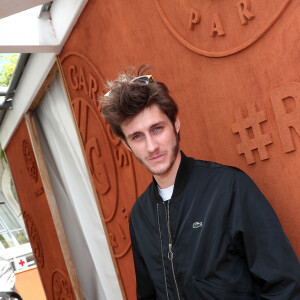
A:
(158, 123)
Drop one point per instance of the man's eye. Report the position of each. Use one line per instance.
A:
(137, 136)
(157, 128)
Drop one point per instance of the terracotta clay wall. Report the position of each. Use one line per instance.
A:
(232, 66)
(41, 216)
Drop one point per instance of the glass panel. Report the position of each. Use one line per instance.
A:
(8, 218)
(21, 236)
(7, 241)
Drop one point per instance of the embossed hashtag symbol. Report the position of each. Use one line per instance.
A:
(258, 140)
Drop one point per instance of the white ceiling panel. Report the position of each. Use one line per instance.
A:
(11, 7)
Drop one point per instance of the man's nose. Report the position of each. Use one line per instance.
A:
(152, 144)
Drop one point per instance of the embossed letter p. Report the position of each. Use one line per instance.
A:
(194, 18)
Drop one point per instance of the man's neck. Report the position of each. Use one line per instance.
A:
(168, 178)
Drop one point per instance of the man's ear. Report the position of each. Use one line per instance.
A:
(126, 145)
(177, 124)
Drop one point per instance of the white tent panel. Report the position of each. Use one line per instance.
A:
(74, 195)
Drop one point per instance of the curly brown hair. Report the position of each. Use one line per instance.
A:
(126, 99)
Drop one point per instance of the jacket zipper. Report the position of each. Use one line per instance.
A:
(170, 253)
(161, 250)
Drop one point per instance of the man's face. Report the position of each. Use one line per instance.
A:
(153, 139)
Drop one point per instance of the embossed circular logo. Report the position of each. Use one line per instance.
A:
(99, 155)
(219, 28)
(35, 240)
(30, 160)
(61, 287)
(110, 163)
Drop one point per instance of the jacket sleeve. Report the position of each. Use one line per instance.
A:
(144, 285)
(258, 236)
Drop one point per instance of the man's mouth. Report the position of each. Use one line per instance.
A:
(157, 157)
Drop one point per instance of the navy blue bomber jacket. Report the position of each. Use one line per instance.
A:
(216, 239)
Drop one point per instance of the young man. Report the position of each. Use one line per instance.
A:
(201, 230)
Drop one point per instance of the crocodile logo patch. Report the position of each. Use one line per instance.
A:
(197, 224)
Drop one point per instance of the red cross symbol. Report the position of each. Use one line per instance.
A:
(21, 262)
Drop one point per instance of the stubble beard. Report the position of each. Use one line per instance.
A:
(165, 170)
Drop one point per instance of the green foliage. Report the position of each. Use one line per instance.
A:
(3, 241)
(2, 155)
(21, 237)
(8, 68)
